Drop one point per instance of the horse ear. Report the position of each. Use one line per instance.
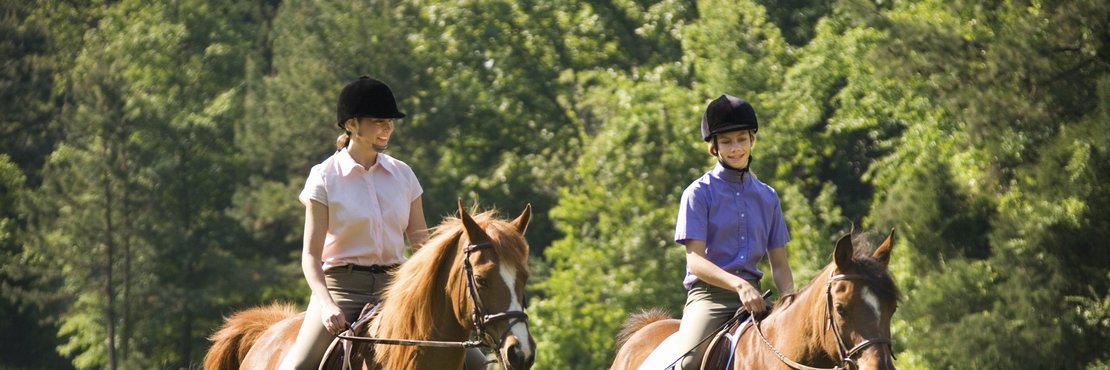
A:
(521, 222)
(843, 253)
(474, 232)
(882, 253)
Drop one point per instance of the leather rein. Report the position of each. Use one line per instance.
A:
(481, 320)
(846, 354)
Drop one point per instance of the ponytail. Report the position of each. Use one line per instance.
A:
(342, 141)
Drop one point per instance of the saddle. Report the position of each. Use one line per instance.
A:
(718, 355)
(340, 354)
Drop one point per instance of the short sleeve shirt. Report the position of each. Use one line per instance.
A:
(737, 216)
(368, 208)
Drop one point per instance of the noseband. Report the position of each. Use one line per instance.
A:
(846, 354)
(481, 319)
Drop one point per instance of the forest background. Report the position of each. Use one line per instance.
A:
(152, 153)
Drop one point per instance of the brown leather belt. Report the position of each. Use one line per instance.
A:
(375, 269)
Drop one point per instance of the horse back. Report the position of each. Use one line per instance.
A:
(248, 329)
(640, 335)
(271, 346)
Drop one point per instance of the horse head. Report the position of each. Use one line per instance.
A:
(861, 298)
(495, 266)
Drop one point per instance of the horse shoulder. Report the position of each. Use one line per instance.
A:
(747, 352)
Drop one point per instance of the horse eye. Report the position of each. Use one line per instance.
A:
(840, 309)
(481, 281)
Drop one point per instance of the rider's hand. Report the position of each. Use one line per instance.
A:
(333, 319)
(751, 299)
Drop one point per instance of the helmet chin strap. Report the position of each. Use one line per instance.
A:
(742, 171)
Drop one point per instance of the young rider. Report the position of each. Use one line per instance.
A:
(728, 220)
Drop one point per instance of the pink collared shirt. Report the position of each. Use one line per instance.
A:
(368, 208)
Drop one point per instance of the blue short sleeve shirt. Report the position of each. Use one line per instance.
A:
(738, 217)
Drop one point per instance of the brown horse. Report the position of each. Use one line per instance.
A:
(841, 319)
(468, 277)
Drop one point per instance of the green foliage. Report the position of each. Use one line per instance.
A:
(994, 172)
(23, 322)
(797, 18)
(139, 186)
(618, 257)
(12, 183)
(152, 153)
(733, 48)
(27, 79)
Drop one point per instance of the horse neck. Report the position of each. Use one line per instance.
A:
(446, 324)
(800, 330)
(449, 323)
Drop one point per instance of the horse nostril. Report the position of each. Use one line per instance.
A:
(516, 356)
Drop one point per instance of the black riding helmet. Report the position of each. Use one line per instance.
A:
(366, 97)
(727, 113)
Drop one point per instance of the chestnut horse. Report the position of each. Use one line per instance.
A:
(468, 277)
(840, 320)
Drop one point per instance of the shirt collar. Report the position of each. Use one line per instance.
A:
(734, 176)
(347, 163)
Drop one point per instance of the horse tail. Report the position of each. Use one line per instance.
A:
(637, 322)
(239, 332)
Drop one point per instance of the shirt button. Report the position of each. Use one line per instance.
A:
(743, 215)
(743, 237)
(737, 193)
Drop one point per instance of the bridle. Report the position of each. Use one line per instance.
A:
(846, 354)
(481, 320)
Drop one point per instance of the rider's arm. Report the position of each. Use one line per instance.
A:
(315, 228)
(712, 274)
(417, 230)
(780, 270)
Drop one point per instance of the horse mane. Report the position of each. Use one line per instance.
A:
(418, 286)
(875, 275)
(637, 322)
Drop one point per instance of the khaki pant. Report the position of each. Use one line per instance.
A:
(351, 290)
(707, 308)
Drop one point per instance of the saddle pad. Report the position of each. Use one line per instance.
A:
(719, 354)
(664, 356)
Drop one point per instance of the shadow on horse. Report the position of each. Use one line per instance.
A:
(840, 320)
(468, 277)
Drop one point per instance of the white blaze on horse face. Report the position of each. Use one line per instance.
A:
(873, 302)
(520, 328)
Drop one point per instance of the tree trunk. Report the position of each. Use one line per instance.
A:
(109, 289)
(125, 336)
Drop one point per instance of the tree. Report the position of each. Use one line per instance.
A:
(29, 48)
(995, 175)
(617, 256)
(129, 219)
